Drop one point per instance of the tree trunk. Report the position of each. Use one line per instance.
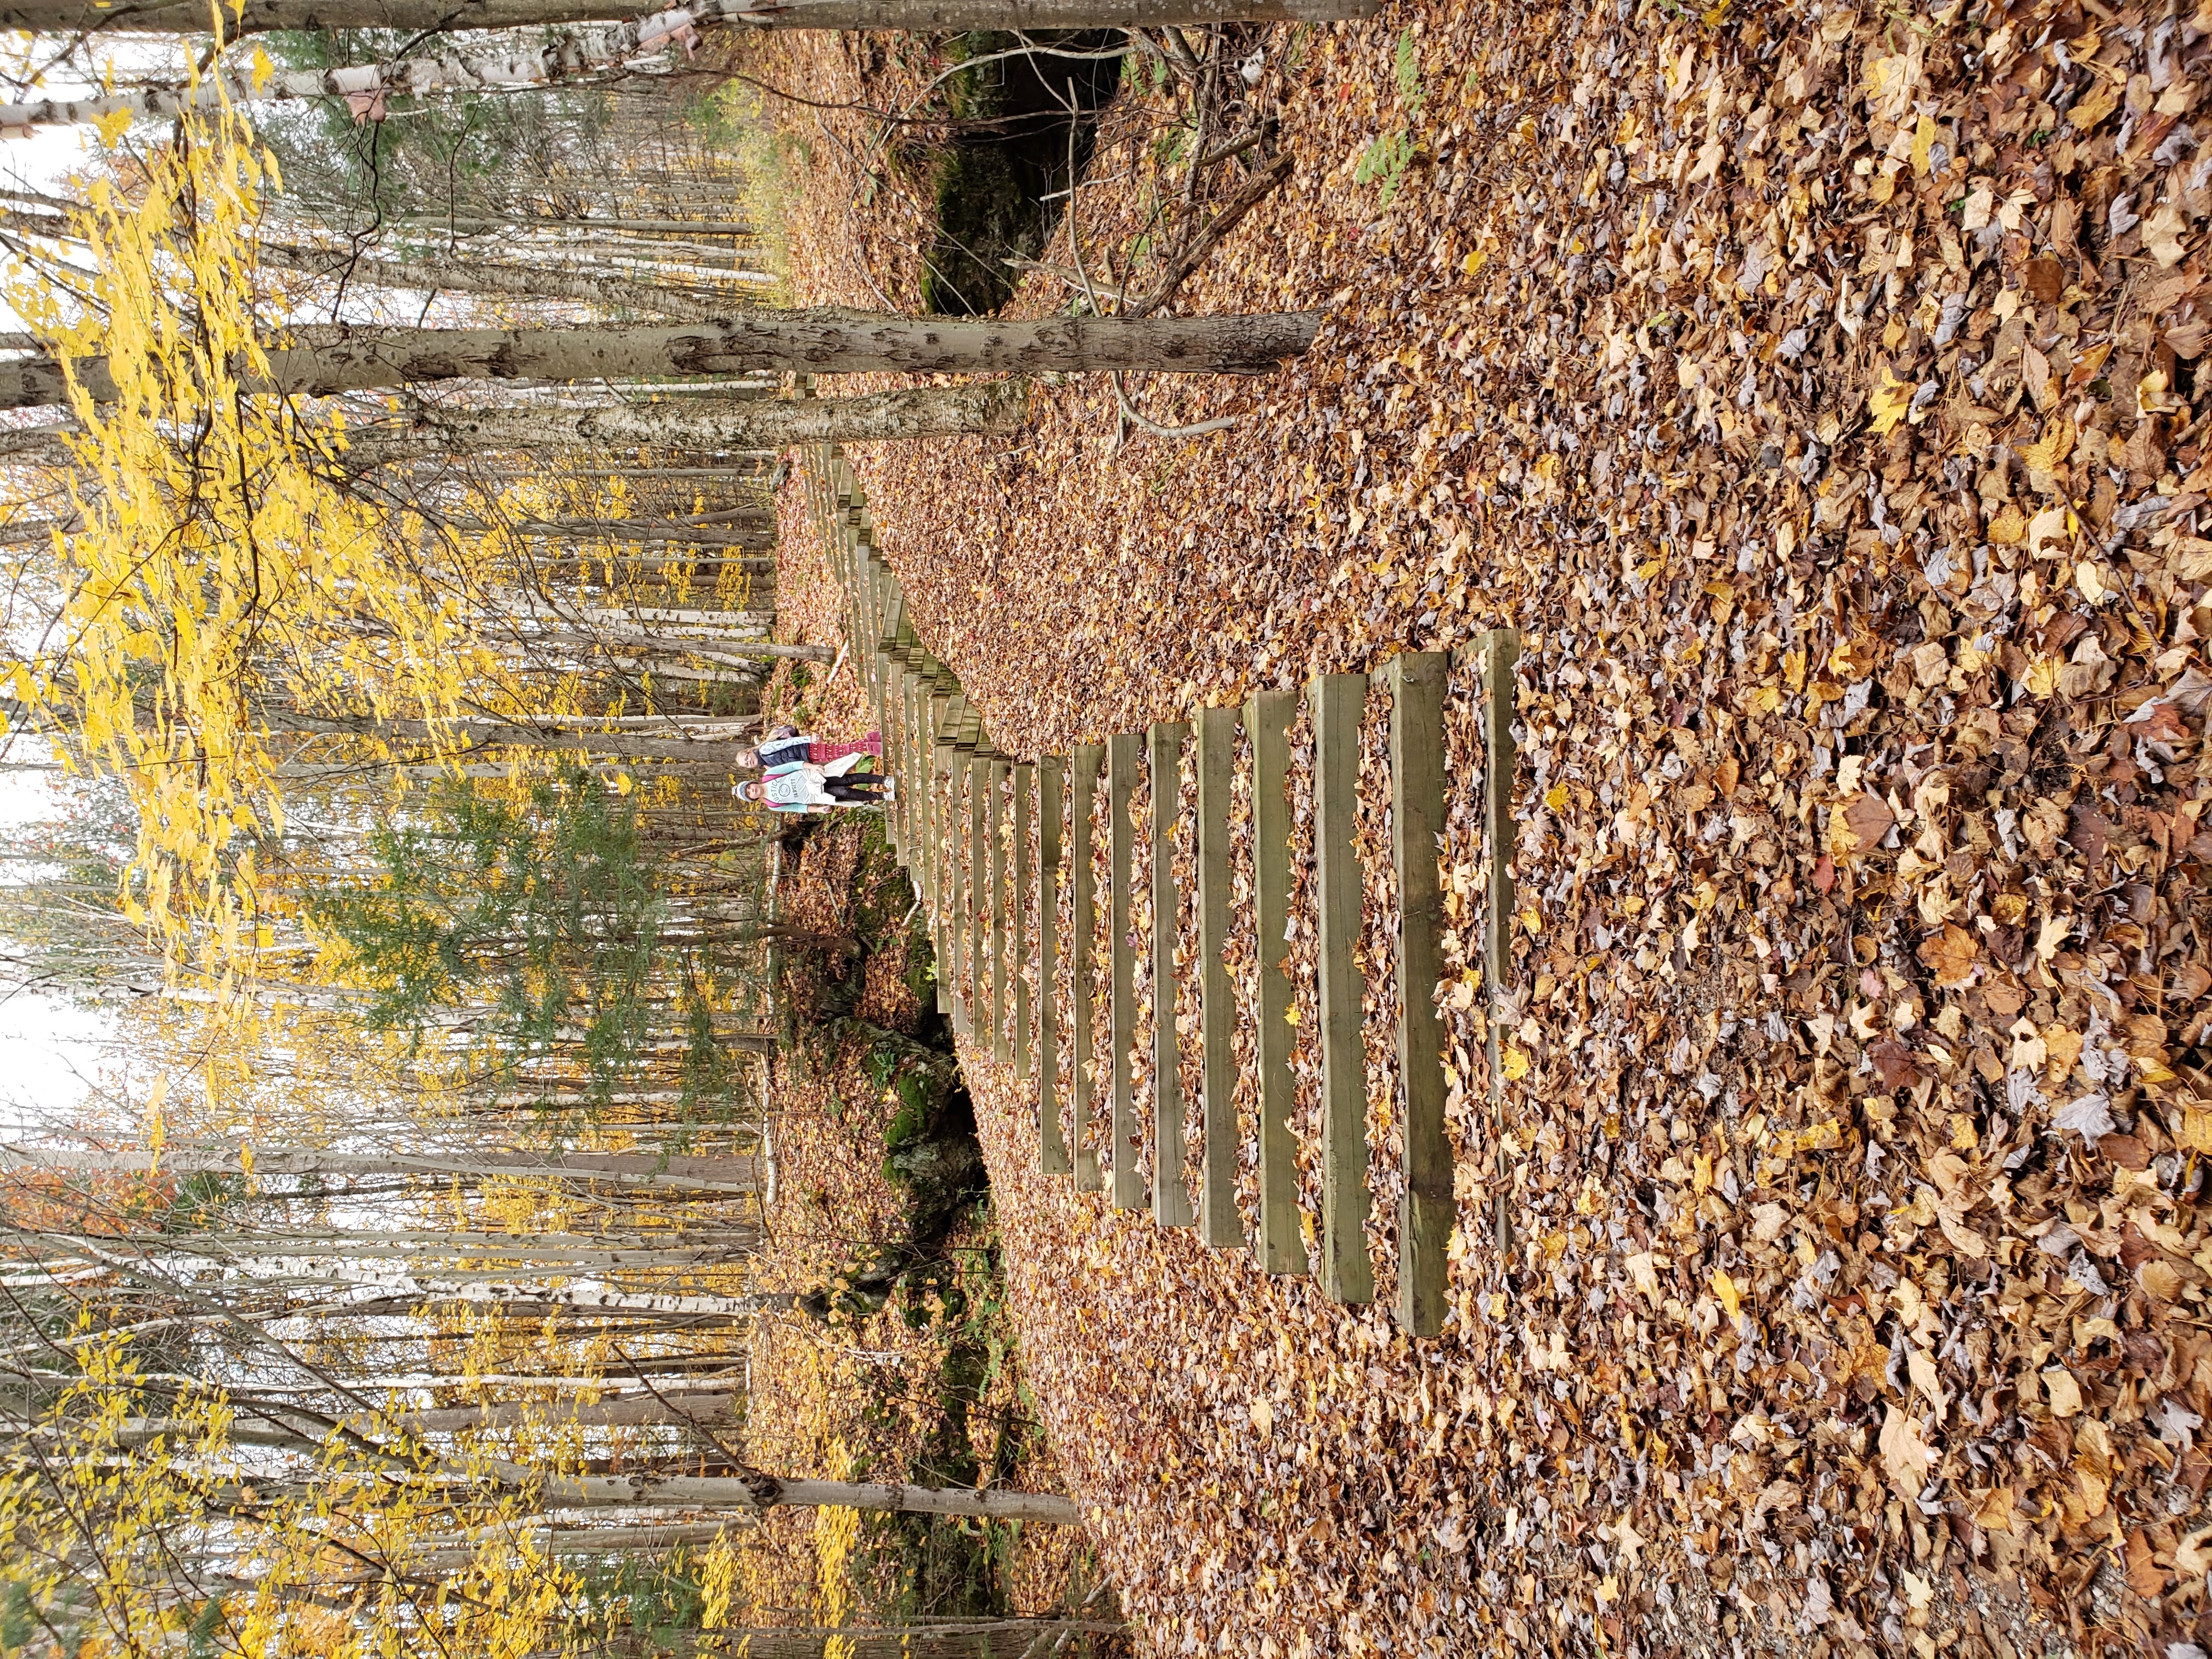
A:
(420, 273)
(828, 341)
(708, 650)
(910, 16)
(983, 407)
(464, 224)
(675, 1407)
(684, 1175)
(763, 1492)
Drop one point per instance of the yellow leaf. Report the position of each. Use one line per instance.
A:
(1473, 262)
(112, 126)
(1924, 139)
(1891, 402)
(1724, 1288)
(1515, 1063)
(1556, 796)
(2046, 453)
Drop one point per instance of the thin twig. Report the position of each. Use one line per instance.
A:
(1261, 186)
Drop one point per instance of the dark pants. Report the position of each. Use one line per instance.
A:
(865, 786)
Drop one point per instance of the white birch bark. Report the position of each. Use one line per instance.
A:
(825, 341)
(688, 1174)
(984, 408)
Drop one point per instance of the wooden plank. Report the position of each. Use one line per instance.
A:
(1218, 1224)
(1122, 755)
(890, 721)
(1281, 1245)
(1052, 1145)
(995, 833)
(1171, 1205)
(1082, 975)
(976, 916)
(1337, 701)
(957, 933)
(1501, 691)
(1024, 792)
(1426, 1214)
(941, 764)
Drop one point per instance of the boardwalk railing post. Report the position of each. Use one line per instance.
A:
(1219, 1222)
(1018, 905)
(1171, 1204)
(1337, 703)
(1500, 686)
(1426, 1214)
(1281, 1244)
(1082, 960)
(1122, 751)
(1052, 1147)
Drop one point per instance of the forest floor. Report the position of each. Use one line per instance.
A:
(1814, 392)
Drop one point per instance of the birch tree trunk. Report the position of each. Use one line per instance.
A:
(910, 17)
(420, 273)
(827, 341)
(987, 407)
(754, 1492)
(766, 1492)
(685, 1175)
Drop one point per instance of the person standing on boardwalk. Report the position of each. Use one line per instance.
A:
(787, 743)
(802, 786)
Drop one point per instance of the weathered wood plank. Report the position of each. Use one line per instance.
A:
(1171, 1205)
(957, 923)
(1337, 701)
(1218, 1224)
(1121, 756)
(1281, 1245)
(994, 832)
(1052, 1145)
(1082, 969)
(1501, 693)
(1019, 905)
(891, 706)
(1426, 1214)
(977, 915)
(941, 766)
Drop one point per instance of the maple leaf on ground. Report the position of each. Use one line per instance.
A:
(1904, 1454)
(1949, 955)
(1895, 1062)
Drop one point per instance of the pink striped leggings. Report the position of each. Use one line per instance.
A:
(821, 752)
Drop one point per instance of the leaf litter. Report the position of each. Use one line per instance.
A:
(1815, 390)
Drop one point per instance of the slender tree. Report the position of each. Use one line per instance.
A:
(828, 341)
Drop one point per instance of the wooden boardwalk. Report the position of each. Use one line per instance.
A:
(983, 833)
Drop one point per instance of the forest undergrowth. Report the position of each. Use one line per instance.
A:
(1816, 392)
